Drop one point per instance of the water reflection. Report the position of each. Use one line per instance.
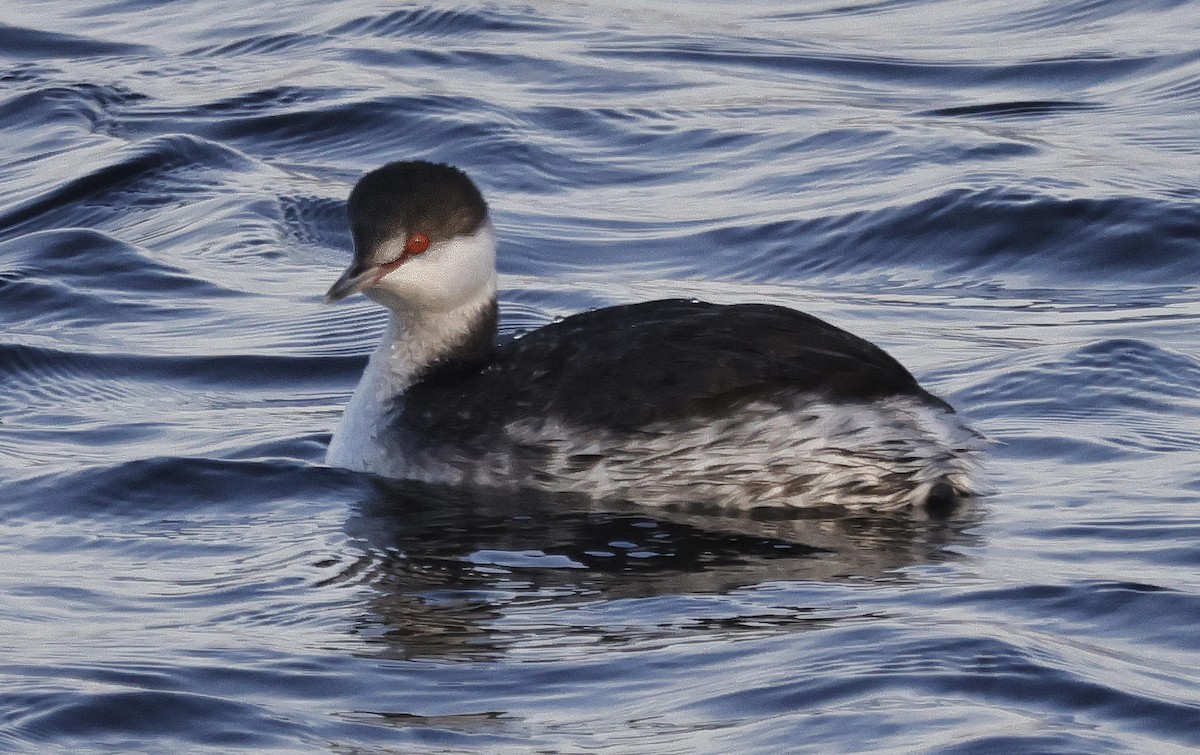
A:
(464, 574)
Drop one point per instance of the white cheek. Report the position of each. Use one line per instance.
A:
(427, 281)
(447, 276)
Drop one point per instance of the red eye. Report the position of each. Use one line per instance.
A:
(417, 243)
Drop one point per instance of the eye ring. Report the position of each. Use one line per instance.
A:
(416, 243)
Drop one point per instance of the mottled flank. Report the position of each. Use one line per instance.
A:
(886, 455)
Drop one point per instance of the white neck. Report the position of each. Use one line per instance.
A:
(439, 301)
(413, 340)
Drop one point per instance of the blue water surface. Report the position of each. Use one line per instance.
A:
(1004, 195)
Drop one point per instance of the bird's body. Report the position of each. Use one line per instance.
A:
(673, 401)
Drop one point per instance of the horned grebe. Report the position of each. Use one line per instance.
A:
(673, 401)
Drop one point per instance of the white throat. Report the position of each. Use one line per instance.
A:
(435, 302)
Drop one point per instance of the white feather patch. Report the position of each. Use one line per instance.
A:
(873, 456)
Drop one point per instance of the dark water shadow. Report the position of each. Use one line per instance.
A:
(446, 565)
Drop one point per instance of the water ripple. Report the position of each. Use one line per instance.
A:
(38, 44)
(443, 23)
(1002, 195)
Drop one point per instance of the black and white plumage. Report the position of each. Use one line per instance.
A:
(672, 401)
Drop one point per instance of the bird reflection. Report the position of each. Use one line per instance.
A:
(469, 574)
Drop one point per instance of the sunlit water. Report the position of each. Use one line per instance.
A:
(1004, 195)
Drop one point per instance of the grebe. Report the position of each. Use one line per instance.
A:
(674, 401)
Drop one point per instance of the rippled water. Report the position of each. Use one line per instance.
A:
(1005, 195)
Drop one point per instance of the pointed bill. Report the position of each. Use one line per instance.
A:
(355, 279)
